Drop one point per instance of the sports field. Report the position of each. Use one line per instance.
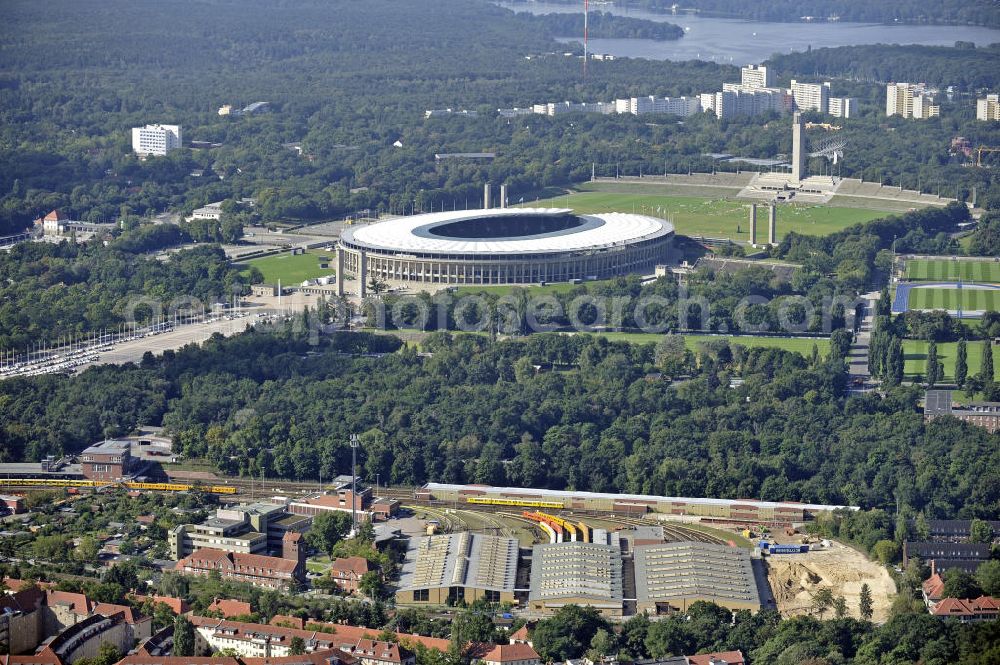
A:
(716, 218)
(915, 357)
(967, 299)
(948, 270)
(292, 269)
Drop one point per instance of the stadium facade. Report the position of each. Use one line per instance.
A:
(504, 246)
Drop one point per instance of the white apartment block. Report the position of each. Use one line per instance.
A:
(735, 100)
(811, 96)
(571, 107)
(909, 101)
(924, 107)
(843, 107)
(682, 106)
(156, 139)
(988, 108)
(756, 76)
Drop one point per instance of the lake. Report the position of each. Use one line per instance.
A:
(740, 42)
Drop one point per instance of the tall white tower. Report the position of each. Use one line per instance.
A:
(798, 149)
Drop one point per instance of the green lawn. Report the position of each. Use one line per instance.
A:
(292, 269)
(953, 299)
(915, 355)
(801, 345)
(948, 270)
(717, 218)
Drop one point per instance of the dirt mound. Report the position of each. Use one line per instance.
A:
(795, 578)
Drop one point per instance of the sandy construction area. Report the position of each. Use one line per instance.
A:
(794, 578)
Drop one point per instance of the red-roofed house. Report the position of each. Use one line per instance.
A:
(347, 572)
(65, 609)
(142, 627)
(933, 589)
(288, 621)
(520, 636)
(984, 608)
(264, 571)
(511, 654)
(721, 658)
(230, 608)
(15, 584)
(53, 224)
(22, 620)
(373, 652)
(176, 605)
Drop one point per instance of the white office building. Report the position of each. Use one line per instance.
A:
(910, 100)
(843, 107)
(811, 96)
(756, 76)
(988, 108)
(156, 139)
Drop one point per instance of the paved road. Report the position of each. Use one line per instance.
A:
(857, 358)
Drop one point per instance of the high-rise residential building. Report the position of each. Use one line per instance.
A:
(988, 108)
(756, 76)
(910, 100)
(924, 107)
(682, 106)
(156, 139)
(735, 100)
(842, 107)
(811, 96)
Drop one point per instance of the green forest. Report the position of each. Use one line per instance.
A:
(606, 417)
(347, 81)
(975, 12)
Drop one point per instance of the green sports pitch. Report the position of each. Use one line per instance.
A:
(292, 268)
(716, 218)
(915, 357)
(950, 270)
(967, 299)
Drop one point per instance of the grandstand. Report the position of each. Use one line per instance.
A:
(865, 194)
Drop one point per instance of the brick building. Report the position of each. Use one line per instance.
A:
(263, 571)
(107, 460)
(347, 572)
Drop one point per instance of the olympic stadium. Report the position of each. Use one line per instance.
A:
(504, 246)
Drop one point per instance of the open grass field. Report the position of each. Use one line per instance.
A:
(948, 270)
(801, 345)
(292, 269)
(716, 218)
(915, 357)
(966, 299)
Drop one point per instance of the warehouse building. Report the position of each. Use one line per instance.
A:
(671, 576)
(578, 573)
(460, 566)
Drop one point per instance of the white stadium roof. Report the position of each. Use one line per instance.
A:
(410, 234)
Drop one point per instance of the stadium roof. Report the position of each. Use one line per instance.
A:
(411, 234)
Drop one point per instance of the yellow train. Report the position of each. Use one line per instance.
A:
(487, 501)
(156, 487)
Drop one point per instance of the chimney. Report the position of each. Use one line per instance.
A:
(933, 571)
